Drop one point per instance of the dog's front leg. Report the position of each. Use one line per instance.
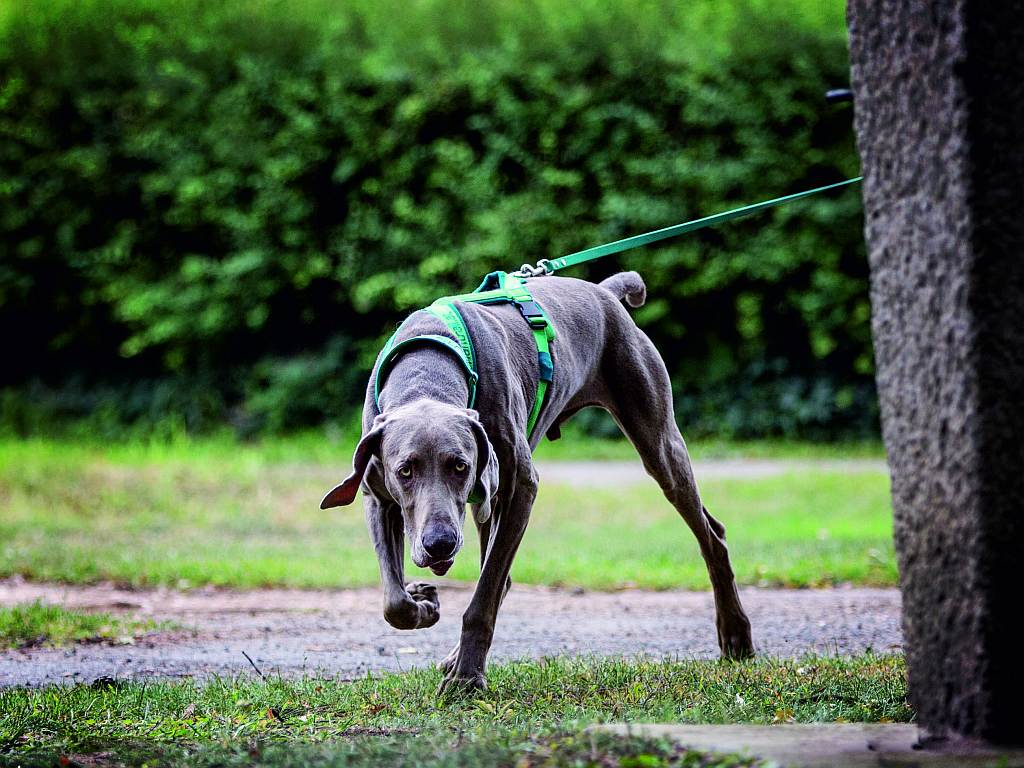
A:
(507, 527)
(412, 606)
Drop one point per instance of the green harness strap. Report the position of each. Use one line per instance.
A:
(497, 288)
(392, 351)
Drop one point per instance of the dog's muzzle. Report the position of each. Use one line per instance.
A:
(440, 543)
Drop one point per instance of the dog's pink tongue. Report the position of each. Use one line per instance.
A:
(440, 569)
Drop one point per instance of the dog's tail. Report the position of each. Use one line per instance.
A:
(627, 285)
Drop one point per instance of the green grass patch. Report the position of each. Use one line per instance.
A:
(464, 750)
(213, 513)
(575, 445)
(38, 623)
(335, 445)
(528, 710)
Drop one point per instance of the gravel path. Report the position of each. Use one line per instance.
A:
(343, 634)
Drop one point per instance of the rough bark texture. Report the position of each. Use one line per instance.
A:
(939, 95)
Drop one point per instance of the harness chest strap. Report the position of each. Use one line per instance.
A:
(392, 351)
(497, 288)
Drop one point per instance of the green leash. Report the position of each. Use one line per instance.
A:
(549, 266)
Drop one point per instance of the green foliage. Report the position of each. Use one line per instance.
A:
(216, 212)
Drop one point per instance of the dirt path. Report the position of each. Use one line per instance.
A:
(343, 634)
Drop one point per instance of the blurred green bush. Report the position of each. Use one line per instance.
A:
(215, 213)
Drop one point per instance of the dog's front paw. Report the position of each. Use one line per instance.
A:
(463, 672)
(459, 683)
(427, 603)
(415, 608)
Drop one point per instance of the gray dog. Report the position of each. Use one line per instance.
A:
(423, 454)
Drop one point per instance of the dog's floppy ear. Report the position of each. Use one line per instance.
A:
(369, 446)
(486, 485)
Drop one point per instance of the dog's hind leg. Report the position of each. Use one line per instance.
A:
(640, 400)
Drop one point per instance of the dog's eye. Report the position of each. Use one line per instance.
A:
(460, 466)
(405, 471)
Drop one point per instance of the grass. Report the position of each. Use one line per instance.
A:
(212, 511)
(34, 624)
(527, 717)
(465, 750)
(334, 444)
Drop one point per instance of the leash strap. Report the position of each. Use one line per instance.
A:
(549, 266)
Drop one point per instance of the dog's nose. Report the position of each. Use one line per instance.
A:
(439, 542)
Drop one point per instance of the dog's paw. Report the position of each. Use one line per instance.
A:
(461, 684)
(462, 675)
(427, 602)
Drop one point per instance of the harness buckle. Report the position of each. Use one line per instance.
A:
(532, 313)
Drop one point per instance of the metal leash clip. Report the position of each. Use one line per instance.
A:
(543, 268)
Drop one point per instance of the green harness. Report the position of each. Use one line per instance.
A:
(497, 288)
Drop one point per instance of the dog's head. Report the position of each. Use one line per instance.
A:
(434, 459)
